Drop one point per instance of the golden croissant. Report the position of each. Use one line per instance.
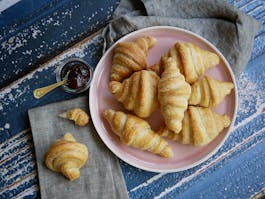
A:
(66, 156)
(173, 95)
(199, 126)
(209, 92)
(129, 57)
(79, 116)
(138, 93)
(192, 61)
(136, 132)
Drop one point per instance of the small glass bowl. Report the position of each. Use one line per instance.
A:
(62, 68)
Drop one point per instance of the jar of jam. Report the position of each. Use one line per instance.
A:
(78, 74)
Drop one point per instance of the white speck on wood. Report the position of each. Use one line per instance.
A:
(7, 126)
(149, 181)
(35, 33)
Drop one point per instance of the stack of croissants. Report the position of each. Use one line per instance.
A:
(174, 86)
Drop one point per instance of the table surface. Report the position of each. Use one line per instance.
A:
(36, 36)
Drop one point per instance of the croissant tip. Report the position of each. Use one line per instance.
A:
(230, 85)
(168, 62)
(152, 41)
(114, 86)
(69, 137)
(107, 112)
(167, 153)
(227, 121)
(63, 115)
(165, 59)
(71, 173)
(213, 59)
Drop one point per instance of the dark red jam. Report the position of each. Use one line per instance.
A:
(79, 74)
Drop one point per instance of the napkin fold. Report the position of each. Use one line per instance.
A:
(101, 177)
(225, 26)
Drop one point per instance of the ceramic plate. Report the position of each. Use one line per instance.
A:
(185, 156)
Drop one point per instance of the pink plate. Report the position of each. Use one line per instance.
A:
(185, 156)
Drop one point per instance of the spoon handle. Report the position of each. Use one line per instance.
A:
(38, 93)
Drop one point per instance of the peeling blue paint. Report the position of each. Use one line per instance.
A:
(24, 44)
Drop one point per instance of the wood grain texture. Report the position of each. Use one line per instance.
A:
(235, 171)
(24, 43)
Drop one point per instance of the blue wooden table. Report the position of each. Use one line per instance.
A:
(37, 35)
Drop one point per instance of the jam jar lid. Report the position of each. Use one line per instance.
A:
(78, 72)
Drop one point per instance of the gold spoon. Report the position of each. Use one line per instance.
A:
(40, 92)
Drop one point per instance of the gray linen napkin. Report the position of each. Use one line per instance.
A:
(229, 29)
(100, 178)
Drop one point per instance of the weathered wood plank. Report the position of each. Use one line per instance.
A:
(24, 44)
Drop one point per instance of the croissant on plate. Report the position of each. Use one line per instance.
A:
(199, 126)
(79, 116)
(66, 156)
(138, 93)
(192, 61)
(129, 57)
(209, 92)
(173, 95)
(136, 132)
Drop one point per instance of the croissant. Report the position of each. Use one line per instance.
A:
(173, 95)
(138, 93)
(79, 116)
(199, 126)
(136, 132)
(192, 61)
(66, 156)
(129, 57)
(209, 92)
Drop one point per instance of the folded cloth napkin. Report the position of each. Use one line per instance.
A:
(226, 27)
(100, 178)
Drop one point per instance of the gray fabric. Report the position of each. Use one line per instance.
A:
(226, 27)
(100, 178)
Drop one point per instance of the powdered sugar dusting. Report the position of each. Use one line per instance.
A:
(35, 33)
(250, 97)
